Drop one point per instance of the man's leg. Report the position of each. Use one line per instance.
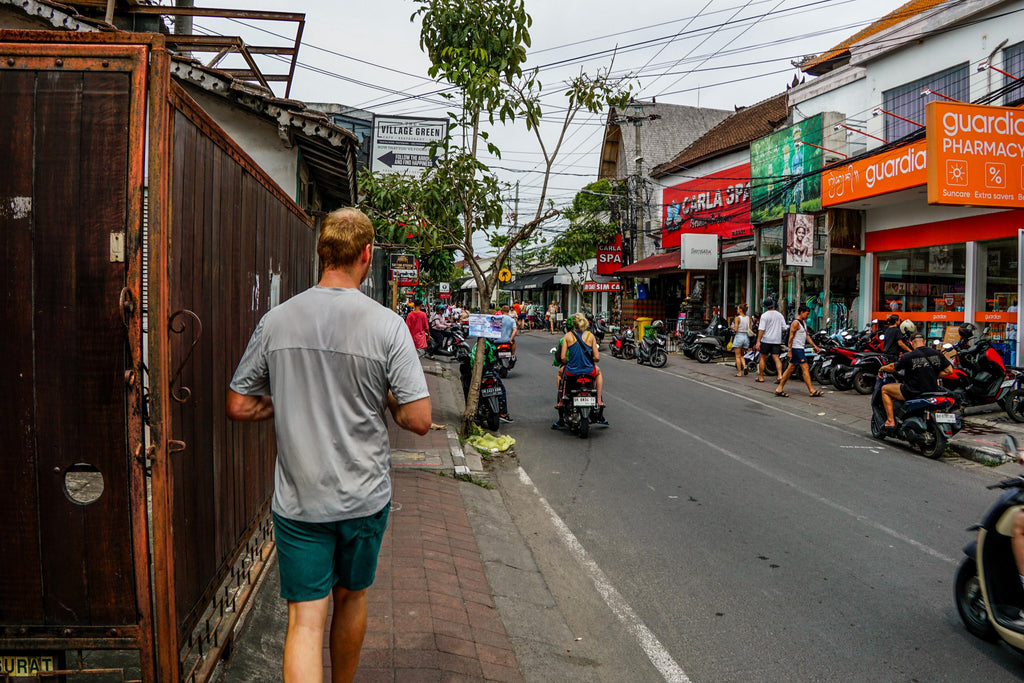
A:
(558, 386)
(348, 627)
(805, 370)
(890, 392)
(783, 376)
(600, 386)
(778, 363)
(760, 368)
(304, 641)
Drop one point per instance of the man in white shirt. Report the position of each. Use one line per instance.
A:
(769, 337)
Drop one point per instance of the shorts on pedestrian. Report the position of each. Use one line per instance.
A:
(798, 356)
(314, 557)
(741, 340)
(770, 349)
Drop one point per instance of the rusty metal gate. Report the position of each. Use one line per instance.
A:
(110, 396)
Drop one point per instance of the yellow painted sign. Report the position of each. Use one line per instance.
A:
(504, 275)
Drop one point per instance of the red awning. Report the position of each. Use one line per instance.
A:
(659, 264)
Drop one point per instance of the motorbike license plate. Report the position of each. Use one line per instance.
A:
(1008, 384)
(490, 391)
(504, 354)
(584, 401)
(946, 418)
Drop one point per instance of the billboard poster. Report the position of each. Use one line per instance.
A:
(485, 325)
(698, 252)
(778, 163)
(717, 204)
(609, 257)
(799, 238)
(401, 143)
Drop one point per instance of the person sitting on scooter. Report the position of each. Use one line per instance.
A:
(508, 328)
(439, 326)
(490, 360)
(922, 368)
(895, 343)
(578, 355)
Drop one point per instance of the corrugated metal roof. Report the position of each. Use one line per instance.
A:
(733, 133)
(829, 59)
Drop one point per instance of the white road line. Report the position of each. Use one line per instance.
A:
(652, 647)
(928, 550)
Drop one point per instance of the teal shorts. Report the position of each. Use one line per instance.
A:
(314, 557)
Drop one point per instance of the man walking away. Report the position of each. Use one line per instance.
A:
(326, 365)
(769, 337)
(418, 326)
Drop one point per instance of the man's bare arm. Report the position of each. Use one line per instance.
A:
(414, 416)
(243, 408)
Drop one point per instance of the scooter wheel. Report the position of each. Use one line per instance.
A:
(583, 430)
(864, 382)
(970, 602)
(659, 358)
(703, 355)
(934, 444)
(502, 372)
(877, 427)
(1014, 405)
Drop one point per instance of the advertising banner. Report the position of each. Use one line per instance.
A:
(609, 257)
(717, 204)
(485, 325)
(799, 239)
(975, 154)
(698, 252)
(778, 164)
(900, 168)
(602, 287)
(400, 143)
(405, 269)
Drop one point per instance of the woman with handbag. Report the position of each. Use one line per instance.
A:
(741, 338)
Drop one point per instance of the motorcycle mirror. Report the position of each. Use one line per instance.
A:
(1010, 446)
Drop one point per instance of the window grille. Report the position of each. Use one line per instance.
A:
(1013, 63)
(907, 101)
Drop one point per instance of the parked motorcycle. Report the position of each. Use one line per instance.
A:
(863, 374)
(506, 358)
(926, 423)
(599, 329)
(623, 345)
(981, 378)
(653, 350)
(450, 343)
(987, 590)
(489, 406)
(579, 405)
(713, 346)
(752, 359)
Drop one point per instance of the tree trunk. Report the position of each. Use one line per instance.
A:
(473, 395)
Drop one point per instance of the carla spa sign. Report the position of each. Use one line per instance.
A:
(976, 155)
(718, 203)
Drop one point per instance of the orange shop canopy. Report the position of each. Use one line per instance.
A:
(659, 264)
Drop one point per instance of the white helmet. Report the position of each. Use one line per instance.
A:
(908, 327)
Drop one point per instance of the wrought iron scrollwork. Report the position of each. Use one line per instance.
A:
(183, 393)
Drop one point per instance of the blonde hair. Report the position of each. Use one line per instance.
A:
(343, 236)
(580, 322)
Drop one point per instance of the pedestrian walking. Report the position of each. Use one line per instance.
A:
(326, 365)
(798, 340)
(769, 337)
(552, 316)
(741, 338)
(418, 326)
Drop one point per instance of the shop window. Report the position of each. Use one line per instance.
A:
(906, 100)
(1013, 63)
(998, 313)
(922, 280)
(771, 242)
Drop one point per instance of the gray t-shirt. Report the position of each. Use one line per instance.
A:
(328, 357)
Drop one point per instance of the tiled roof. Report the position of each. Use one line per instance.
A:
(733, 133)
(824, 62)
(677, 127)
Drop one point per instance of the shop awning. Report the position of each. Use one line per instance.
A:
(531, 281)
(741, 249)
(659, 264)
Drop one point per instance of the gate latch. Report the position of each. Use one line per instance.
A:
(117, 247)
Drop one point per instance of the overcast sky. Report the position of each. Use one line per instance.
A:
(712, 53)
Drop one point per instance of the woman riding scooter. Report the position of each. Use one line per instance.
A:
(578, 355)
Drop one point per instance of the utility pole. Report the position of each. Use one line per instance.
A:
(638, 121)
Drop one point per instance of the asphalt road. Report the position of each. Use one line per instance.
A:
(751, 544)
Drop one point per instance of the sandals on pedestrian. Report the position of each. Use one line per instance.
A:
(738, 374)
(760, 379)
(782, 394)
(816, 393)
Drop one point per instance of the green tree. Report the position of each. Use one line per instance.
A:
(479, 47)
(592, 221)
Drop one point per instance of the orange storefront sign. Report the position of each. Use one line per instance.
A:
(891, 171)
(976, 155)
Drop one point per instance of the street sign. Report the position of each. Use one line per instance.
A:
(504, 275)
(443, 287)
(404, 268)
(400, 143)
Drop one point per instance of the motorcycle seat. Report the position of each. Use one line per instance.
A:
(1005, 524)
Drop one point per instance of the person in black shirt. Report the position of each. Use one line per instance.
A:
(921, 368)
(895, 343)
